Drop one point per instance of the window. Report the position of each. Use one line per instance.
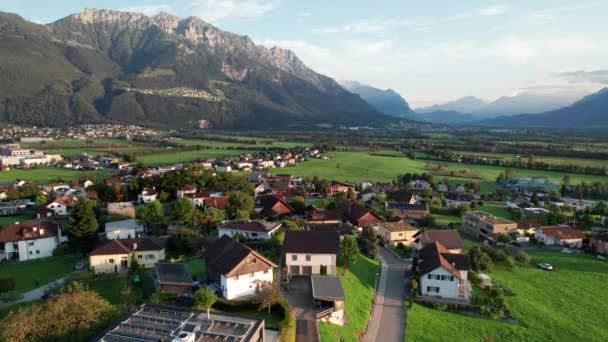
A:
(432, 289)
(37, 251)
(451, 278)
(31, 253)
(308, 258)
(430, 276)
(254, 234)
(140, 256)
(294, 257)
(266, 271)
(111, 261)
(150, 257)
(443, 277)
(30, 243)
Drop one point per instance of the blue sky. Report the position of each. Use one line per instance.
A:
(428, 51)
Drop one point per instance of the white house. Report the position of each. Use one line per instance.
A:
(186, 190)
(258, 230)
(238, 271)
(61, 205)
(443, 274)
(311, 252)
(560, 235)
(148, 195)
(223, 168)
(115, 256)
(31, 240)
(124, 229)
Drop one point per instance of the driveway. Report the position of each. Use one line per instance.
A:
(388, 317)
(300, 298)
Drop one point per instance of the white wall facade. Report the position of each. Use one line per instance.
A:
(244, 286)
(316, 261)
(442, 283)
(249, 234)
(121, 234)
(58, 208)
(31, 249)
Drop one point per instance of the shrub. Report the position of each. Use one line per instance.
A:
(441, 306)
(522, 257)
(288, 324)
(164, 298)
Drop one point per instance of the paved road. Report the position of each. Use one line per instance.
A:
(34, 294)
(300, 298)
(388, 316)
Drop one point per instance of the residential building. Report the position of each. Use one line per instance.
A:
(486, 226)
(121, 209)
(61, 206)
(30, 240)
(395, 233)
(560, 235)
(174, 278)
(124, 229)
(407, 210)
(272, 205)
(186, 190)
(404, 196)
(340, 227)
(153, 322)
(115, 256)
(442, 273)
(358, 215)
(449, 238)
(238, 270)
(457, 199)
(148, 195)
(527, 226)
(337, 187)
(311, 252)
(599, 243)
(13, 207)
(257, 230)
(220, 202)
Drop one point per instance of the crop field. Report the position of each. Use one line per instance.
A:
(544, 159)
(568, 304)
(169, 157)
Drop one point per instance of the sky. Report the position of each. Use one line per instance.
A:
(428, 51)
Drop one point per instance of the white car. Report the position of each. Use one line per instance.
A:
(545, 266)
(567, 250)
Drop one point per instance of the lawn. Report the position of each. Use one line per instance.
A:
(48, 174)
(6, 220)
(497, 209)
(196, 267)
(168, 157)
(31, 274)
(109, 286)
(358, 286)
(568, 304)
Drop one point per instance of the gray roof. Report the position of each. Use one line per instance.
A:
(173, 273)
(327, 288)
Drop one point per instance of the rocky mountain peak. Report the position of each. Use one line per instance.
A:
(93, 15)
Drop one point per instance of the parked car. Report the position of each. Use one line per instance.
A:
(516, 243)
(545, 266)
(82, 266)
(567, 250)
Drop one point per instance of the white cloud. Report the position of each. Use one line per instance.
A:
(304, 14)
(148, 9)
(516, 50)
(369, 26)
(216, 10)
(584, 76)
(493, 10)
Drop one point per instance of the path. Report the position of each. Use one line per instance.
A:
(388, 316)
(34, 294)
(300, 298)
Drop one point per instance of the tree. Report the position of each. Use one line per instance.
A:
(480, 260)
(268, 296)
(414, 288)
(134, 264)
(370, 243)
(183, 210)
(510, 174)
(40, 200)
(340, 198)
(239, 202)
(151, 214)
(504, 238)
(298, 204)
(566, 179)
(348, 251)
(522, 257)
(212, 216)
(204, 298)
(83, 223)
(7, 284)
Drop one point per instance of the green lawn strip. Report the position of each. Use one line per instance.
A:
(109, 286)
(50, 174)
(31, 274)
(196, 267)
(565, 305)
(358, 286)
(6, 220)
(440, 218)
(468, 244)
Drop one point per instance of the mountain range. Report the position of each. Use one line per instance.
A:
(387, 101)
(112, 66)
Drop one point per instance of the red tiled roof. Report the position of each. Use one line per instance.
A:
(29, 231)
(562, 232)
(126, 246)
(435, 255)
(220, 202)
(528, 224)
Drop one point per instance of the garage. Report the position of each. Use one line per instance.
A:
(294, 270)
(306, 270)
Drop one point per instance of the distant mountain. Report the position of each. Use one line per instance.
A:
(589, 112)
(526, 103)
(111, 66)
(387, 101)
(468, 104)
(448, 117)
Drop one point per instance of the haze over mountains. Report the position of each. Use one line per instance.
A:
(387, 101)
(101, 65)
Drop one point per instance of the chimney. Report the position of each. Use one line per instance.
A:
(41, 231)
(134, 245)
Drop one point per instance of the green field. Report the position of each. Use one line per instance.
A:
(31, 274)
(168, 157)
(6, 220)
(568, 304)
(50, 174)
(196, 267)
(358, 286)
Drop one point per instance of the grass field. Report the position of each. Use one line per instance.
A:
(6, 220)
(568, 304)
(50, 174)
(358, 286)
(197, 267)
(169, 157)
(496, 208)
(31, 274)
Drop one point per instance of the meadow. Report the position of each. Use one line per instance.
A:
(568, 304)
(50, 174)
(31, 274)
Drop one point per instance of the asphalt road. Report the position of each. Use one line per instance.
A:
(388, 316)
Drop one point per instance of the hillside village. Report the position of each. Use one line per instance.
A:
(180, 240)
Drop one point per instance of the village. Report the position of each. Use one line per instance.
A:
(197, 236)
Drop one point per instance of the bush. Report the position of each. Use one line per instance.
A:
(164, 298)
(441, 306)
(523, 257)
(288, 324)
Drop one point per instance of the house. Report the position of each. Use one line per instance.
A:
(527, 226)
(82, 183)
(408, 210)
(238, 270)
(419, 185)
(340, 227)
(30, 240)
(257, 230)
(357, 214)
(116, 255)
(154, 322)
(323, 216)
(197, 198)
(486, 226)
(148, 195)
(395, 233)
(599, 243)
(125, 209)
(404, 196)
(12, 207)
(61, 206)
(449, 238)
(443, 273)
(220, 202)
(124, 229)
(272, 205)
(311, 252)
(329, 293)
(187, 189)
(337, 187)
(457, 199)
(560, 235)
(174, 278)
